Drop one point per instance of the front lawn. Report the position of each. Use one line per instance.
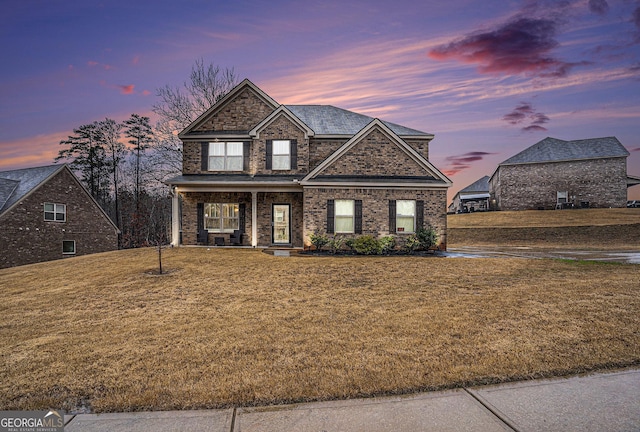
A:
(240, 327)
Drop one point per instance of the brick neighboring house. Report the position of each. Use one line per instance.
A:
(46, 214)
(474, 197)
(563, 174)
(261, 174)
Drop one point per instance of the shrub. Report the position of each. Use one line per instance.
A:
(387, 244)
(319, 240)
(423, 239)
(335, 244)
(367, 245)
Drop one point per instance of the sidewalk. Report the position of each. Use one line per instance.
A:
(608, 401)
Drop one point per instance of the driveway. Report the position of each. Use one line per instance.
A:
(620, 256)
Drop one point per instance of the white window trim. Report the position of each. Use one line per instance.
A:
(287, 154)
(225, 156)
(74, 247)
(399, 215)
(222, 218)
(336, 215)
(55, 212)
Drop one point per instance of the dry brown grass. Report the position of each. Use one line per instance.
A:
(578, 229)
(240, 327)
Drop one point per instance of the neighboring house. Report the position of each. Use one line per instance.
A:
(563, 174)
(261, 174)
(474, 197)
(46, 214)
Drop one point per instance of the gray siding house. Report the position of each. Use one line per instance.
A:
(261, 174)
(472, 198)
(554, 173)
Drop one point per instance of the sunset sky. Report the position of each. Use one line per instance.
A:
(488, 78)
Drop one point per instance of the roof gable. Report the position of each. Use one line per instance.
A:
(556, 150)
(244, 98)
(393, 159)
(281, 111)
(330, 120)
(24, 181)
(480, 185)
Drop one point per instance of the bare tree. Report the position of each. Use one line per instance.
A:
(179, 106)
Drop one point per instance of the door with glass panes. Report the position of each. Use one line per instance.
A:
(281, 224)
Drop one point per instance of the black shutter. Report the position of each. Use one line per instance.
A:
(269, 146)
(330, 216)
(246, 149)
(200, 217)
(204, 156)
(242, 220)
(419, 214)
(294, 154)
(357, 228)
(392, 216)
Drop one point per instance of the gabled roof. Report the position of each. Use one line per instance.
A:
(431, 173)
(556, 150)
(282, 110)
(481, 185)
(19, 183)
(330, 120)
(226, 98)
(27, 180)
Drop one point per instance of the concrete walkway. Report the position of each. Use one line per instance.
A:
(608, 401)
(620, 256)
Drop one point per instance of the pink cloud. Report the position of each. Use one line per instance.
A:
(135, 60)
(31, 151)
(462, 162)
(526, 112)
(92, 63)
(146, 92)
(126, 89)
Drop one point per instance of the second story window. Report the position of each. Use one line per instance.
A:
(281, 155)
(55, 212)
(225, 156)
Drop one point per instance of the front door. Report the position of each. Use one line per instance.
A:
(281, 224)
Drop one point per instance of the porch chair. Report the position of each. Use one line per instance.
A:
(203, 236)
(236, 238)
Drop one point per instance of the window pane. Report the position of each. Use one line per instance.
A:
(60, 208)
(49, 216)
(234, 163)
(230, 210)
(60, 217)
(281, 162)
(281, 147)
(230, 224)
(406, 208)
(212, 223)
(344, 224)
(404, 224)
(234, 149)
(216, 163)
(344, 207)
(216, 149)
(49, 207)
(68, 246)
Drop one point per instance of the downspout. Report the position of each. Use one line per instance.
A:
(175, 217)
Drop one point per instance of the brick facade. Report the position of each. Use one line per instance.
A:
(598, 182)
(375, 210)
(378, 154)
(25, 237)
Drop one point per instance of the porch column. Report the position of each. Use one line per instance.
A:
(254, 218)
(175, 218)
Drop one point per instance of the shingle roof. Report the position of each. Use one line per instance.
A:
(481, 185)
(23, 182)
(330, 120)
(554, 150)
